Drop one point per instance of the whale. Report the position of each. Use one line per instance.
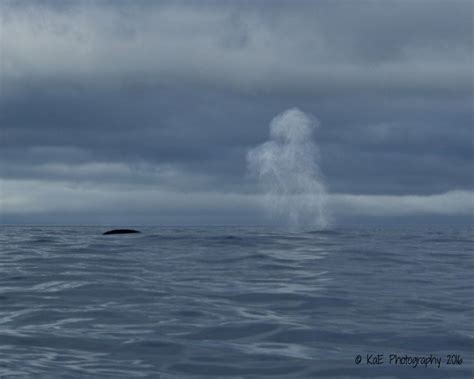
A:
(120, 231)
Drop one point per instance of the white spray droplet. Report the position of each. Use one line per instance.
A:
(287, 167)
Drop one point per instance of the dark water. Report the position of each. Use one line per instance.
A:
(240, 303)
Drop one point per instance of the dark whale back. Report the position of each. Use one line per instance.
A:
(120, 231)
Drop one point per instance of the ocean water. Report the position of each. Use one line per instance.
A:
(235, 302)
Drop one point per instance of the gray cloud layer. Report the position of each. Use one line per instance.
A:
(169, 97)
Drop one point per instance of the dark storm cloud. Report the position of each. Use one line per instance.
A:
(370, 148)
(172, 95)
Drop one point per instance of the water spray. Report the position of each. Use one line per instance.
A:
(287, 168)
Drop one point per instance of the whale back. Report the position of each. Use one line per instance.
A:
(120, 231)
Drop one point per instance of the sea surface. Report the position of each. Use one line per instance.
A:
(235, 303)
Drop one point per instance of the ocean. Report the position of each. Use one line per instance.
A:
(236, 303)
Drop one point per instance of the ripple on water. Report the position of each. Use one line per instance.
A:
(231, 302)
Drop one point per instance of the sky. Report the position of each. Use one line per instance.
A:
(143, 112)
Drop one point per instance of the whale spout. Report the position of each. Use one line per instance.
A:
(120, 231)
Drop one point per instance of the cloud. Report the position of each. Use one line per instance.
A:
(119, 203)
(305, 49)
(168, 98)
(449, 203)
